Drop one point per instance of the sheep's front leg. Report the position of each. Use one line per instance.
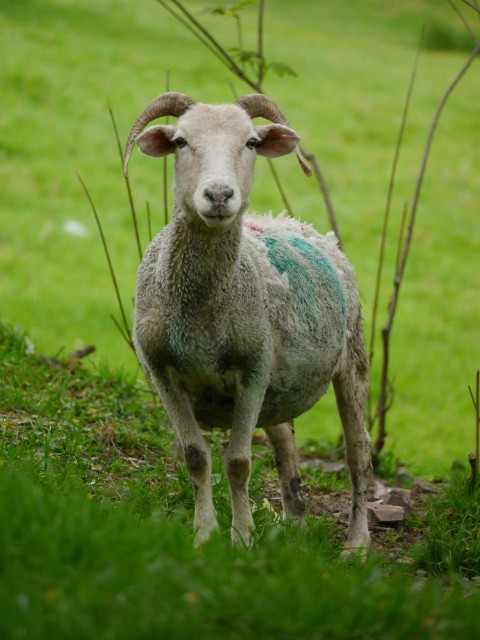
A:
(238, 459)
(282, 440)
(197, 455)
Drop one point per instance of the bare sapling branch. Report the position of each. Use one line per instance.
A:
(127, 184)
(125, 330)
(261, 60)
(165, 166)
(464, 20)
(473, 5)
(186, 19)
(391, 185)
(476, 404)
(205, 37)
(149, 222)
(322, 183)
(401, 235)
(280, 188)
(472, 480)
(382, 406)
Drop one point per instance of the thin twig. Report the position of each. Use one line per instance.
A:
(325, 193)
(79, 354)
(280, 188)
(476, 404)
(477, 416)
(391, 185)
(463, 19)
(238, 22)
(126, 329)
(197, 35)
(401, 235)
(165, 165)
(472, 480)
(387, 328)
(473, 6)
(206, 38)
(127, 184)
(261, 60)
(149, 222)
(124, 335)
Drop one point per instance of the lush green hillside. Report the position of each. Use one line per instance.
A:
(64, 60)
(96, 537)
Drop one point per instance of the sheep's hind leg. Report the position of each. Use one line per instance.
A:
(351, 388)
(282, 440)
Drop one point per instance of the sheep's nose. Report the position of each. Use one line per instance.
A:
(218, 196)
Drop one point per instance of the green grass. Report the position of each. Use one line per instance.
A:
(96, 537)
(453, 541)
(74, 568)
(64, 61)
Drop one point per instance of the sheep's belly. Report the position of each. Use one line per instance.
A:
(214, 406)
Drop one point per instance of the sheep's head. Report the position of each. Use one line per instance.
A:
(215, 147)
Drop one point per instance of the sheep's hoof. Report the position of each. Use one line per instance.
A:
(242, 540)
(354, 553)
(203, 534)
(356, 549)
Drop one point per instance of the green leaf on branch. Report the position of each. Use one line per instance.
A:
(251, 57)
(282, 69)
(230, 10)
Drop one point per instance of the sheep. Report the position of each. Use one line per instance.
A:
(241, 320)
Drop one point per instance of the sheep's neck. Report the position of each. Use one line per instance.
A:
(202, 263)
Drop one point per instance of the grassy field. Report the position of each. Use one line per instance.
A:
(64, 61)
(96, 535)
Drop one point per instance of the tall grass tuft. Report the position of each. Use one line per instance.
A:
(452, 543)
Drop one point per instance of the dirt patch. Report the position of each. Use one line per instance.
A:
(396, 537)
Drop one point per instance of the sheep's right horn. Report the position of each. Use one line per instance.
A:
(166, 104)
(257, 105)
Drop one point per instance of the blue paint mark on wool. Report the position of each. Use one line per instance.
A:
(307, 268)
(326, 272)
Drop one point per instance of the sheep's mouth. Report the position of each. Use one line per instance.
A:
(219, 215)
(220, 209)
(217, 219)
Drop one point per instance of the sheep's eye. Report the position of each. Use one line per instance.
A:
(180, 143)
(252, 143)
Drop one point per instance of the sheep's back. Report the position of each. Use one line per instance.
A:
(308, 300)
(304, 283)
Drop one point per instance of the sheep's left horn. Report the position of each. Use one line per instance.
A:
(166, 104)
(258, 105)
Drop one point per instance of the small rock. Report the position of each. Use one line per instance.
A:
(312, 463)
(403, 476)
(400, 498)
(337, 468)
(385, 514)
(422, 487)
(327, 466)
(378, 490)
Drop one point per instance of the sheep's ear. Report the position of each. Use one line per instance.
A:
(157, 141)
(276, 140)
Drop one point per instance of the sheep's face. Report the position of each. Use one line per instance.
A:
(215, 148)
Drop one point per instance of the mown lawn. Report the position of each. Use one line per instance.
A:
(96, 533)
(64, 61)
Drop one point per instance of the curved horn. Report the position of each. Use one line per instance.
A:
(166, 104)
(258, 105)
